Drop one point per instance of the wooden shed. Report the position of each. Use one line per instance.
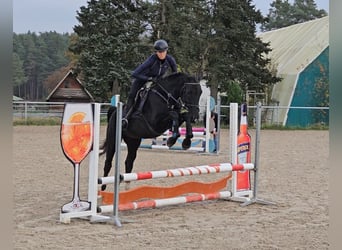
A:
(70, 89)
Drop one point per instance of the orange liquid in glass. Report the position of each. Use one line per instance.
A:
(76, 140)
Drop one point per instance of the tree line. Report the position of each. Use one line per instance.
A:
(34, 58)
(212, 39)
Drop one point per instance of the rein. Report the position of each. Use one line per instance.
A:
(178, 101)
(168, 94)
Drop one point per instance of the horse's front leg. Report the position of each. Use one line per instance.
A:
(174, 129)
(132, 148)
(186, 144)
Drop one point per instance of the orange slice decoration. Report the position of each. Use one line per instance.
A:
(77, 117)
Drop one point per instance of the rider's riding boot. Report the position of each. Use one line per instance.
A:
(126, 113)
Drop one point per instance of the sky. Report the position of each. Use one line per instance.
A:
(60, 15)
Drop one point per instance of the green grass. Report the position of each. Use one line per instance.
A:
(37, 122)
(57, 121)
(311, 127)
(44, 121)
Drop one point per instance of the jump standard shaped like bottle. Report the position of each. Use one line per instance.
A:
(243, 151)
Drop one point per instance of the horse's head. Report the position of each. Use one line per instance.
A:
(190, 96)
(184, 87)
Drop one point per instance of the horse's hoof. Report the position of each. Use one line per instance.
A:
(171, 141)
(186, 143)
(103, 187)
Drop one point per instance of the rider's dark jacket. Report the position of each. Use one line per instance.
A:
(153, 67)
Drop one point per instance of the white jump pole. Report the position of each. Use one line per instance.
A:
(233, 130)
(207, 122)
(117, 165)
(117, 160)
(218, 111)
(94, 160)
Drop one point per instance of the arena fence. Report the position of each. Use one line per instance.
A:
(26, 110)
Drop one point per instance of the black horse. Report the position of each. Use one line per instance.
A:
(164, 105)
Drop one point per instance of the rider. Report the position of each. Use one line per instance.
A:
(153, 68)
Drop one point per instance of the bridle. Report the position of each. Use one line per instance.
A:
(178, 102)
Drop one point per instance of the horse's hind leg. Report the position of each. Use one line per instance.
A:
(110, 144)
(106, 170)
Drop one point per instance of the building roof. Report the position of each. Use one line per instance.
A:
(296, 46)
(17, 98)
(70, 93)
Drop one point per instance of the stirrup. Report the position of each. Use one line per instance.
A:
(124, 122)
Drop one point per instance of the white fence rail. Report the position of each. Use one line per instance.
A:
(23, 110)
(27, 110)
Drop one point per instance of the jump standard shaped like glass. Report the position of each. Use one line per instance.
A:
(76, 139)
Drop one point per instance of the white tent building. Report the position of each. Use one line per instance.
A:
(300, 54)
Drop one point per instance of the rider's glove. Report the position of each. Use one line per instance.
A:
(153, 79)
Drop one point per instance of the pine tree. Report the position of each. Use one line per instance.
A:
(217, 40)
(18, 74)
(108, 44)
(40, 55)
(235, 53)
(283, 14)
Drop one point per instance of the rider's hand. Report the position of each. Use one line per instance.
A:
(153, 79)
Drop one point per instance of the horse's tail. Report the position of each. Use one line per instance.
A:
(110, 112)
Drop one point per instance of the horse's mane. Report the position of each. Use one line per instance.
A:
(177, 76)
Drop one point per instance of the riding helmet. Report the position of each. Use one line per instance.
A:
(161, 45)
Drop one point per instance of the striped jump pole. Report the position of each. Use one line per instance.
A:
(178, 172)
(195, 129)
(179, 148)
(155, 203)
